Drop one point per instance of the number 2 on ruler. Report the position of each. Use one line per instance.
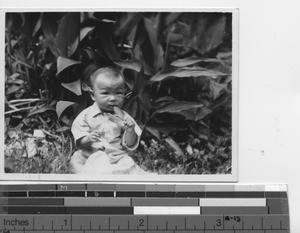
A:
(141, 222)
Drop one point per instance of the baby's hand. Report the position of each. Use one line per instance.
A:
(128, 124)
(94, 136)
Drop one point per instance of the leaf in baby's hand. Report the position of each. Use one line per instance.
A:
(119, 112)
(115, 119)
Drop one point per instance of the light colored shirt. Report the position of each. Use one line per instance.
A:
(110, 126)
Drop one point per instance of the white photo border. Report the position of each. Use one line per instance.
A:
(233, 177)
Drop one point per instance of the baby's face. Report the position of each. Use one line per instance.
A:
(108, 92)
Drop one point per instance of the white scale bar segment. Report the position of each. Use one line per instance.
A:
(233, 202)
(166, 210)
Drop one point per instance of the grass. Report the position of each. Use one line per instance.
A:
(51, 153)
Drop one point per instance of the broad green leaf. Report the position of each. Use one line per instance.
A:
(172, 17)
(174, 37)
(193, 60)
(165, 99)
(131, 107)
(152, 31)
(63, 63)
(154, 132)
(48, 66)
(74, 87)
(72, 47)
(196, 114)
(133, 65)
(224, 55)
(89, 53)
(206, 32)
(174, 146)
(14, 76)
(68, 33)
(179, 106)
(40, 110)
(185, 72)
(215, 34)
(13, 89)
(126, 23)
(139, 83)
(107, 41)
(16, 81)
(37, 27)
(216, 88)
(13, 43)
(85, 31)
(61, 106)
(49, 26)
(63, 129)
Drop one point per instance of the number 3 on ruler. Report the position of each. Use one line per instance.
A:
(219, 222)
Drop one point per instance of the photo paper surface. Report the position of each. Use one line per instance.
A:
(178, 95)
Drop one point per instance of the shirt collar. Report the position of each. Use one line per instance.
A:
(95, 110)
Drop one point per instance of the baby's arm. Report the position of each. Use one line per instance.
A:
(130, 134)
(88, 140)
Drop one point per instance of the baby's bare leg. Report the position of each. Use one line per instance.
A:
(77, 162)
(97, 163)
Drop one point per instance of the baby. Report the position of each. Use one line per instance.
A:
(103, 132)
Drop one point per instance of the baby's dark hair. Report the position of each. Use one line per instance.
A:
(110, 72)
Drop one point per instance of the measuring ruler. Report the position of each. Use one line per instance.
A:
(159, 208)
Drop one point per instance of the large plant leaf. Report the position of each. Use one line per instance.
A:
(154, 132)
(207, 31)
(13, 89)
(61, 106)
(139, 83)
(85, 31)
(174, 146)
(64, 63)
(152, 30)
(68, 33)
(37, 27)
(179, 106)
(40, 110)
(107, 42)
(196, 114)
(133, 65)
(194, 60)
(131, 107)
(74, 87)
(185, 72)
(215, 34)
(216, 88)
(49, 26)
(126, 23)
(172, 17)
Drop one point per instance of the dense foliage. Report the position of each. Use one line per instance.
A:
(177, 68)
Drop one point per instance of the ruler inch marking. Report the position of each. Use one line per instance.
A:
(147, 222)
(109, 223)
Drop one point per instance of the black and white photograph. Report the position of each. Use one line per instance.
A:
(121, 95)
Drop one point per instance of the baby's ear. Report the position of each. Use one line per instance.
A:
(92, 95)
